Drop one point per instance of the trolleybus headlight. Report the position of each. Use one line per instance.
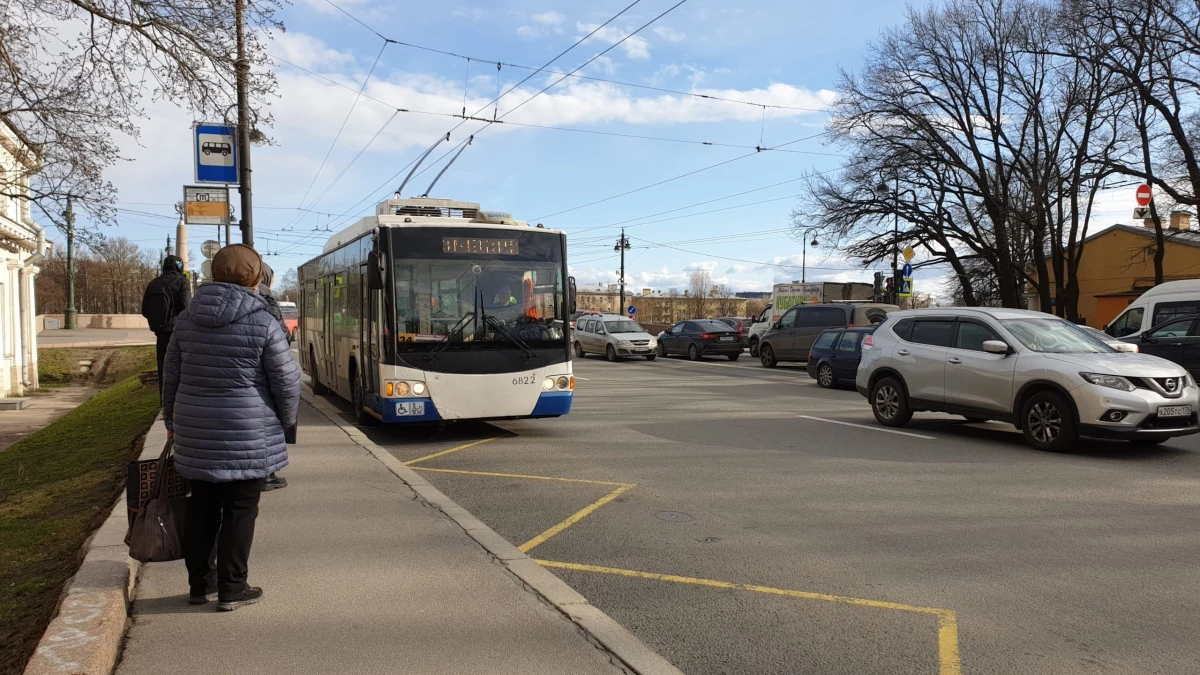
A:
(389, 388)
(548, 384)
(402, 389)
(563, 382)
(419, 388)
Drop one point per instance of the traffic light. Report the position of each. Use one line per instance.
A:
(877, 292)
(889, 286)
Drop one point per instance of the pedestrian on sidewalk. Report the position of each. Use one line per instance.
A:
(230, 388)
(274, 481)
(166, 296)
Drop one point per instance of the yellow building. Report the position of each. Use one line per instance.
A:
(658, 307)
(1118, 266)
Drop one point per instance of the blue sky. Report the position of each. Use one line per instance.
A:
(770, 52)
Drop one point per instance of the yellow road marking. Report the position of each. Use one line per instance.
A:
(947, 622)
(519, 475)
(575, 518)
(446, 452)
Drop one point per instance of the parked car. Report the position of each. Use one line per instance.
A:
(1176, 340)
(291, 318)
(739, 323)
(700, 337)
(1170, 300)
(1037, 371)
(612, 335)
(834, 356)
(790, 338)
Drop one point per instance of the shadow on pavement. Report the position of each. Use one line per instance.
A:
(1087, 447)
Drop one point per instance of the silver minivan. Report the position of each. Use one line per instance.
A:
(614, 336)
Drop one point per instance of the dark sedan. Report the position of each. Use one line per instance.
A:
(700, 337)
(835, 354)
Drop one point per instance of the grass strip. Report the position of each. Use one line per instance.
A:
(56, 487)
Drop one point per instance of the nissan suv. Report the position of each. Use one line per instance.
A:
(1048, 377)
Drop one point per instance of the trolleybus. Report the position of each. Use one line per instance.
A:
(435, 310)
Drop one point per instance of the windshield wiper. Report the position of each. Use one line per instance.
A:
(500, 328)
(444, 342)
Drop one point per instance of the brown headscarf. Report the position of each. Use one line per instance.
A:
(238, 264)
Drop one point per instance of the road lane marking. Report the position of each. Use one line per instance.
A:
(446, 452)
(948, 658)
(575, 518)
(870, 428)
(494, 474)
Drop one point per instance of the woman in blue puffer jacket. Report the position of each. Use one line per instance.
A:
(230, 387)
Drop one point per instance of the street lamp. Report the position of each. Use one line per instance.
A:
(804, 254)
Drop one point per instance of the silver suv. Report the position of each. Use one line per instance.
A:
(614, 336)
(1052, 380)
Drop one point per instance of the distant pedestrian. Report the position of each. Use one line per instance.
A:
(230, 388)
(166, 296)
(274, 481)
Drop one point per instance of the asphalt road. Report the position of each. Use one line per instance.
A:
(760, 535)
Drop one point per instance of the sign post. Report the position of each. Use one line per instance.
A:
(204, 205)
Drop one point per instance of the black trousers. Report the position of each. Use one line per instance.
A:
(160, 346)
(220, 514)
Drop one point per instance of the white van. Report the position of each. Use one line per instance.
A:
(1164, 301)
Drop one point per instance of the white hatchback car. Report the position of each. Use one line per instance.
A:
(1052, 380)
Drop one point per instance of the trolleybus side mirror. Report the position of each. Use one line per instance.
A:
(374, 274)
(571, 300)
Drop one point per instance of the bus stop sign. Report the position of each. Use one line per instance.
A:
(215, 151)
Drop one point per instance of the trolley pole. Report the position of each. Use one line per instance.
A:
(242, 69)
(69, 314)
(622, 246)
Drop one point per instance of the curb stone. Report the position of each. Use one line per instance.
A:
(84, 637)
(622, 645)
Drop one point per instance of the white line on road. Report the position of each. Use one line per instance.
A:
(864, 426)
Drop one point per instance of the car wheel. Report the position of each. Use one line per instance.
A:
(1048, 422)
(611, 353)
(734, 357)
(825, 375)
(579, 350)
(767, 356)
(753, 346)
(651, 357)
(361, 416)
(662, 350)
(693, 353)
(315, 379)
(889, 402)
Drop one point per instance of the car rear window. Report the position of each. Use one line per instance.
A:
(849, 341)
(936, 333)
(289, 312)
(825, 340)
(710, 324)
(902, 327)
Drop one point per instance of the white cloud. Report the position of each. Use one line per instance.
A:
(528, 32)
(709, 266)
(474, 13)
(635, 47)
(669, 34)
(737, 269)
(604, 65)
(307, 51)
(550, 18)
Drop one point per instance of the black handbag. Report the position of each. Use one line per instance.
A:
(156, 533)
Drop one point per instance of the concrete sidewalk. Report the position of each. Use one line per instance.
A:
(362, 576)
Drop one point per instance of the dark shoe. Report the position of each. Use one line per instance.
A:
(274, 482)
(247, 597)
(201, 597)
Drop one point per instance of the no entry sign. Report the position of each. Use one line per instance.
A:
(1143, 195)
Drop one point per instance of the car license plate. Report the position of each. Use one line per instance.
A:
(1175, 411)
(410, 409)
(727, 338)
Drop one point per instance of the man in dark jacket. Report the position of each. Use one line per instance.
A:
(166, 296)
(230, 387)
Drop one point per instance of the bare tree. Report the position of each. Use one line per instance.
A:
(727, 301)
(73, 73)
(700, 286)
(110, 278)
(755, 307)
(289, 286)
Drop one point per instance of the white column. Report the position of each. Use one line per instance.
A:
(181, 247)
(28, 357)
